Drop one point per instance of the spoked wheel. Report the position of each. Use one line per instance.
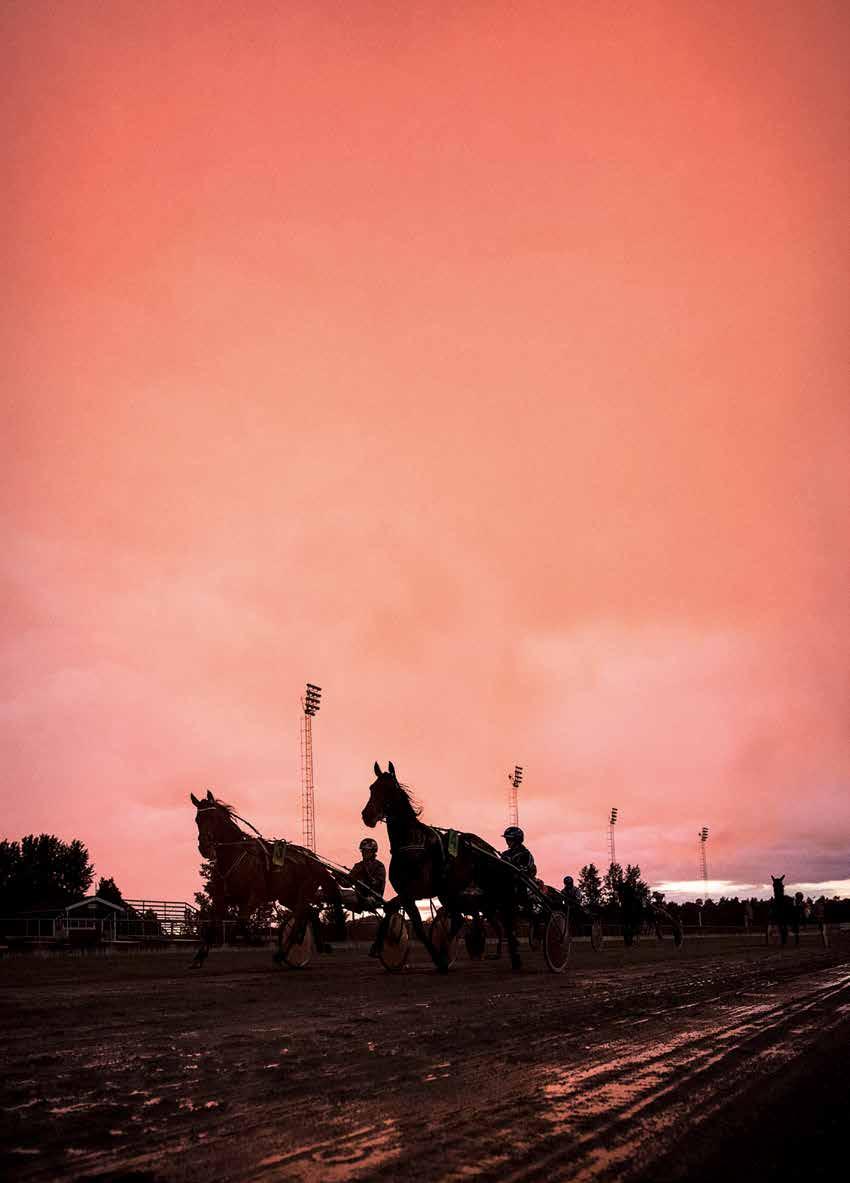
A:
(297, 953)
(597, 936)
(395, 947)
(440, 930)
(556, 942)
(476, 939)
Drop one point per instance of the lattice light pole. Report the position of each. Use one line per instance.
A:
(513, 803)
(612, 821)
(310, 704)
(703, 861)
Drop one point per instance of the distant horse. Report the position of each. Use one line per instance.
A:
(783, 912)
(430, 864)
(248, 871)
(638, 912)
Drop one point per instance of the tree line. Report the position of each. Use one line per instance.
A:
(42, 872)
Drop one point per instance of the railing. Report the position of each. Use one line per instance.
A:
(166, 911)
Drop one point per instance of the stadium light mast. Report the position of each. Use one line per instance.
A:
(612, 821)
(703, 861)
(310, 704)
(513, 803)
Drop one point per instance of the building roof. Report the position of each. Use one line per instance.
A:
(94, 899)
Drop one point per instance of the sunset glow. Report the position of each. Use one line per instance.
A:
(487, 366)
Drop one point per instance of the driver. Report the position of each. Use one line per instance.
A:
(518, 853)
(369, 871)
(570, 893)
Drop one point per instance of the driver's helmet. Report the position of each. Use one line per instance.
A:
(369, 846)
(568, 881)
(514, 834)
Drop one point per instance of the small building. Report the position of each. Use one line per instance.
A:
(92, 915)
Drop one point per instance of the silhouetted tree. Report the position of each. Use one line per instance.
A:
(590, 886)
(632, 877)
(107, 889)
(10, 861)
(613, 878)
(43, 871)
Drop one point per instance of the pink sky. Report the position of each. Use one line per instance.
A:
(487, 366)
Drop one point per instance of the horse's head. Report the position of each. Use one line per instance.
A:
(386, 797)
(778, 885)
(210, 816)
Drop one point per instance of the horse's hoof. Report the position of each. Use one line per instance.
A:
(278, 958)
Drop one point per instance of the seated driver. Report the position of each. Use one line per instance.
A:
(370, 871)
(517, 853)
(570, 894)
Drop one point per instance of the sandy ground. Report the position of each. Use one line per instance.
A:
(727, 1060)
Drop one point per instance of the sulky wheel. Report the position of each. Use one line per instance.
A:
(440, 930)
(476, 939)
(556, 942)
(597, 936)
(296, 954)
(395, 946)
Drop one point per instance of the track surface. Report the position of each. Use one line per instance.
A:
(637, 1064)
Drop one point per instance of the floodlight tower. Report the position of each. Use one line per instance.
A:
(513, 803)
(310, 704)
(703, 862)
(612, 821)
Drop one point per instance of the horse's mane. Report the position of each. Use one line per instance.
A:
(229, 813)
(408, 794)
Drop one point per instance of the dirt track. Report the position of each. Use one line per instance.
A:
(640, 1064)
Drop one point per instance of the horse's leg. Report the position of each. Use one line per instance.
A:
(456, 921)
(319, 941)
(390, 908)
(339, 919)
(205, 937)
(207, 932)
(500, 932)
(440, 960)
(510, 934)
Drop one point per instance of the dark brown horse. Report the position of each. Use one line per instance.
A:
(249, 871)
(428, 863)
(783, 912)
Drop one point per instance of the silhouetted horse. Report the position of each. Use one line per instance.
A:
(249, 871)
(427, 863)
(636, 912)
(783, 912)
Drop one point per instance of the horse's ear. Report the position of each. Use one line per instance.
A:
(391, 770)
(195, 800)
(377, 769)
(781, 879)
(210, 797)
